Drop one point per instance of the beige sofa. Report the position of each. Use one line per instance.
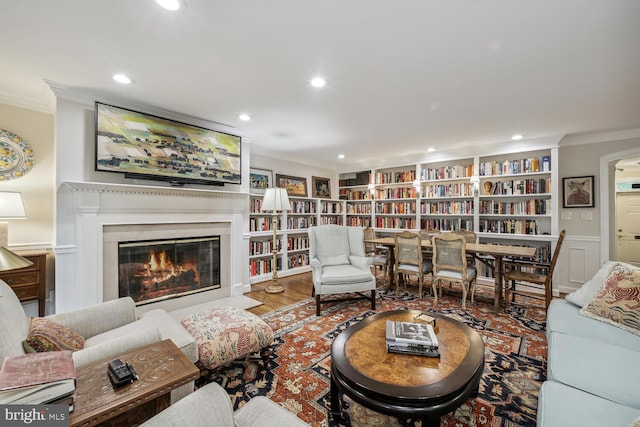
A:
(108, 328)
(211, 406)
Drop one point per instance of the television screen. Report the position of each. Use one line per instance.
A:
(149, 147)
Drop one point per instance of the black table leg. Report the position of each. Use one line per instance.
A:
(336, 411)
(431, 421)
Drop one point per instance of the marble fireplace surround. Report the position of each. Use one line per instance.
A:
(93, 217)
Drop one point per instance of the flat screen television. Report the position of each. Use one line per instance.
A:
(144, 146)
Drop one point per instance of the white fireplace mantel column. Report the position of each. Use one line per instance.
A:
(84, 208)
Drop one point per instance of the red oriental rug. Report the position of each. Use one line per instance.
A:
(297, 375)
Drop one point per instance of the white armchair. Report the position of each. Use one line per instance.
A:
(339, 264)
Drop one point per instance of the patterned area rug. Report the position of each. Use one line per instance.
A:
(297, 375)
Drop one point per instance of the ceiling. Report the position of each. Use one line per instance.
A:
(402, 76)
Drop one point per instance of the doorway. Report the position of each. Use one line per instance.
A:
(607, 190)
(627, 211)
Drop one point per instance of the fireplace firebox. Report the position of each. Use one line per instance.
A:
(154, 270)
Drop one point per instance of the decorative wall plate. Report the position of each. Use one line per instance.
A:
(16, 156)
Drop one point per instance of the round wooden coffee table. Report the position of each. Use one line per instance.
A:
(406, 386)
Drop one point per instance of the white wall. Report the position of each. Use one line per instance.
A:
(582, 254)
(296, 169)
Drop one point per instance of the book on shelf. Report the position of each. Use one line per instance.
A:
(411, 338)
(36, 378)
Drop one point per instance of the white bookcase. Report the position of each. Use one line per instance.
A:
(292, 237)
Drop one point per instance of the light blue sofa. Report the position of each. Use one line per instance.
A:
(593, 368)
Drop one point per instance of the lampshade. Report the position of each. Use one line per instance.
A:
(11, 205)
(11, 261)
(275, 199)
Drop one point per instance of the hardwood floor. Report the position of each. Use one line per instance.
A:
(297, 288)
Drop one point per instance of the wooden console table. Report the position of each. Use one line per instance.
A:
(30, 283)
(161, 367)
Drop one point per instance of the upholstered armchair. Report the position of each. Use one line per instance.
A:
(339, 263)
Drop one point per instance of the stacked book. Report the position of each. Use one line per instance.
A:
(411, 338)
(38, 378)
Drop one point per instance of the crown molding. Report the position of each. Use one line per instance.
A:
(44, 102)
(597, 137)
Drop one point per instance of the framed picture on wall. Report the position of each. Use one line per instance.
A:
(260, 180)
(577, 192)
(296, 186)
(320, 187)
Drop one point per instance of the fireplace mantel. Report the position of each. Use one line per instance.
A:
(86, 208)
(128, 189)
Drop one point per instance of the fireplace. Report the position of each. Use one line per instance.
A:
(93, 218)
(153, 270)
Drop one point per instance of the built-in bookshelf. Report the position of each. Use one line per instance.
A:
(292, 238)
(514, 201)
(516, 194)
(447, 197)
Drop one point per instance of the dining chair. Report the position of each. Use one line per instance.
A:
(531, 278)
(450, 264)
(380, 259)
(408, 258)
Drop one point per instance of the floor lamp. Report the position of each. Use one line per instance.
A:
(275, 199)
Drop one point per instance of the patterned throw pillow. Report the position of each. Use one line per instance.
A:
(618, 302)
(47, 335)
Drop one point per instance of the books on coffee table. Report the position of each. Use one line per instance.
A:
(411, 338)
(36, 378)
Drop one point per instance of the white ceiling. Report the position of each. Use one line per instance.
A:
(456, 75)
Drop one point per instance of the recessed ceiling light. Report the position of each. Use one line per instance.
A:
(430, 150)
(318, 82)
(169, 4)
(517, 137)
(121, 78)
(341, 156)
(244, 117)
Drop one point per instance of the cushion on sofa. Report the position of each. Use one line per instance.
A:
(47, 335)
(566, 318)
(560, 405)
(618, 302)
(168, 327)
(594, 367)
(590, 288)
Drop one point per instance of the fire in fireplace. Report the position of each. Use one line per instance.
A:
(154, 270)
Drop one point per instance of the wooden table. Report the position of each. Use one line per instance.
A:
(498, 252)
(401, 385)
(161, 367)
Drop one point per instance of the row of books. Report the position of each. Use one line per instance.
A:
(523, 207)
(331, 220)
(395, 177)
(406, 208)
(518, 187)
(412, 338)
(506, 167)
(38, 378)
(464, 207)
(463, 189)
(446, 172)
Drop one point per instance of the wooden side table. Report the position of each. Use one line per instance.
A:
(161, 367)
(30, 283)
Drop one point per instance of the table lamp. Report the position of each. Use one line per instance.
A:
(274, 200)
(11, 207)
